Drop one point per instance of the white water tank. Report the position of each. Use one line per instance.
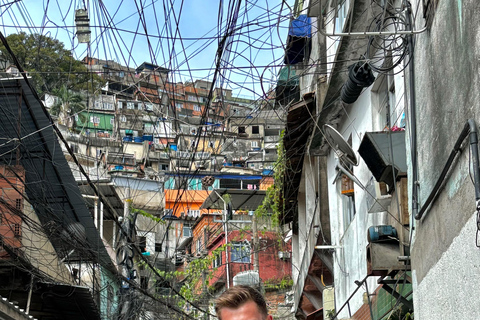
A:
(247, 278)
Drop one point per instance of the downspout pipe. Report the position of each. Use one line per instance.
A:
(413, 116)
(471, 129)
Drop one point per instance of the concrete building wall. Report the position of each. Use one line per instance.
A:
(444, 254)
(449, 288)
(350, 262)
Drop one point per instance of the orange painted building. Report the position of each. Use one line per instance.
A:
(185, 202)
(266, 182)
(12, 189)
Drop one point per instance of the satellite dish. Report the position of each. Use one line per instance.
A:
(340, 146)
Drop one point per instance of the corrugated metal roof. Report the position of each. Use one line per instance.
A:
(27, 134)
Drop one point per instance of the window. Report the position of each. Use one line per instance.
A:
(196, 107)
(193, 213)
(240, 252)
(130, 105)
(18, 204)
(192, 98)
(241, 129)
(17, 229)
(112, 121)
(170, 184)
(255, 129)
(348, 205)
(123, 119)
(217, 262)
(108, 106)
(95, 120)
(187, 231)
(142, 243)
(254, 144)
(144, 283)
(148, 106)
(179, 106)
(163, 167)
(158, 247)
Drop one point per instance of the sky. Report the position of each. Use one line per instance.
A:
(182, 36)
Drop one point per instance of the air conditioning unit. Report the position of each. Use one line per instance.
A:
(378, 198)
(284, 255)
(204, 252)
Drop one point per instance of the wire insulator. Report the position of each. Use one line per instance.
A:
(359, 76)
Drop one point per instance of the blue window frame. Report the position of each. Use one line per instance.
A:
(240, 252)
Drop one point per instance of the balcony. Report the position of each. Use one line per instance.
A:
(271, 139)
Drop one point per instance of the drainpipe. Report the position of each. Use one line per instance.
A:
(469, 128)
(413, 114)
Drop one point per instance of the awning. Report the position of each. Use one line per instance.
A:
(57, 301)
(184, 242)
(300, 27)
(109, 193)
(315, 315)
(240, 199)
(298, 41)
(384, 152)
(300, 120)
(49, 182)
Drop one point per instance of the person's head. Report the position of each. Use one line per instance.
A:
(241, 303)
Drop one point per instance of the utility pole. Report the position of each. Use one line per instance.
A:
(225, 229)
(256, 263)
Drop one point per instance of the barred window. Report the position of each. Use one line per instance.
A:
(18, 204)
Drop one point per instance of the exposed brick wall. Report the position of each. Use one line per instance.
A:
(363, 313)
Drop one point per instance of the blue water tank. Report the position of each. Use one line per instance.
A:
(127, 138)
(147, 137)
(118, 167)
(379, 233)
(138, 139)
(173, 147)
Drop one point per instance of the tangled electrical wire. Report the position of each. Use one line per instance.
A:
(385, 53)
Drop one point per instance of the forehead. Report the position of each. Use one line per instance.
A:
(247, 311)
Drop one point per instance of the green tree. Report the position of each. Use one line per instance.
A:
(49, 64)
(68, 105)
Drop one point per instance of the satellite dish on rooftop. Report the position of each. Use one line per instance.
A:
(341, 147)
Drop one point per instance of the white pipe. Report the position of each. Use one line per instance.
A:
(225, 227)
(101, 220)
(327, 247)
(95, 213)
(89, 196)
(114, 236)
(371, 33)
